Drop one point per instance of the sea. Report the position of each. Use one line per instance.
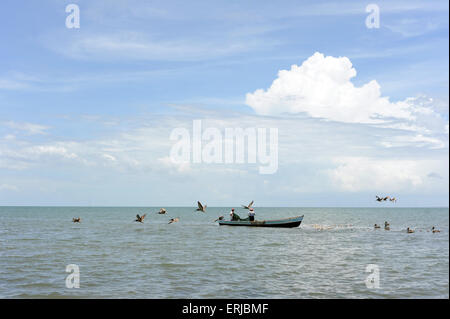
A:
(335, 253)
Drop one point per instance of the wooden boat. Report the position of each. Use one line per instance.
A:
(286, 222)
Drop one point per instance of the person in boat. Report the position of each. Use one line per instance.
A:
(234, 216)
(387, 226)
(251, 215)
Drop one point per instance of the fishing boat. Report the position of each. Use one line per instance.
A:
(285, 222)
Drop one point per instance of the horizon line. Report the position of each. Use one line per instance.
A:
(109, 206)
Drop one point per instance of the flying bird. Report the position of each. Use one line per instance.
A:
(249, 205)
(76, 220)
(393, 199)
(381, 199)
(201, 208)
(220, 218)
(162, 211)
(174, 220)
(140, 219)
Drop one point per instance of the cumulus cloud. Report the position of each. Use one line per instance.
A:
(321, 88)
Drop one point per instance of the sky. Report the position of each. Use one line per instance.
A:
(86, 113)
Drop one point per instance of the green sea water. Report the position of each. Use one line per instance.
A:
(326, 257)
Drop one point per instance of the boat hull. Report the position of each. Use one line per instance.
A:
(284, 223)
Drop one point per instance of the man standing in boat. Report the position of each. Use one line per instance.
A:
(251, 215)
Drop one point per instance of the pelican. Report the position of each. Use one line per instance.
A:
(249, 205)
(140, 219)
(434, 230)
(174, 220)
(76, 220)
(201, 208)
(409, 230)
(220, 218)
(162, 211)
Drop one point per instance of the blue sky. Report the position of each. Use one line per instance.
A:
(86, 114)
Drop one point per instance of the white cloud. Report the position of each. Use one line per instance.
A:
(51, 150)
(8, 84)
(22, 155)
(173, 166)
(321, 87)
(414, 27)
(374, 174)
(109, 157)
(310, 153)
(30, 128)
(418, 141)
(139, 46)
(7, 187)
(9, 137)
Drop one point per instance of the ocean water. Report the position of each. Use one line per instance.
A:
(326, 257)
